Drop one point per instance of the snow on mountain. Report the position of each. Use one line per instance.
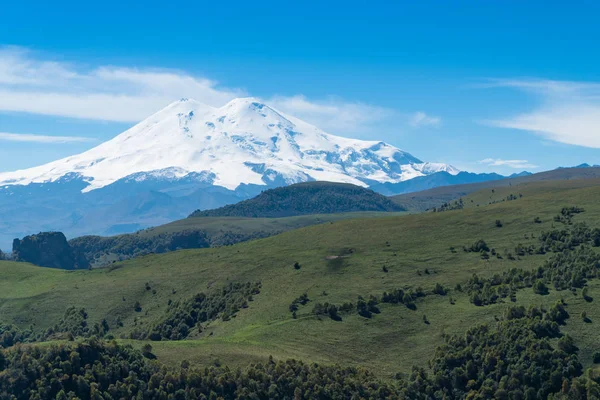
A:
(243, 142)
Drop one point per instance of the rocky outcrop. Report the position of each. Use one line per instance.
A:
(48, 249)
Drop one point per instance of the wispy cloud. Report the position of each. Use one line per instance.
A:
(516, 164)
(567, 112)
(33, 84)
(420, 119)
(25, 137)
(333, 114)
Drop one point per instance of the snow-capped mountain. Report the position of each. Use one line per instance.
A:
(190, 156)
(243, 142)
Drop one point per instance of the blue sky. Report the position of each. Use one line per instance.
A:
(484, 85)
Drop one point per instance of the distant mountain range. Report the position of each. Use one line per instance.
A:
(584, 165)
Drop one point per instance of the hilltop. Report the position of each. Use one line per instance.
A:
(306, 198)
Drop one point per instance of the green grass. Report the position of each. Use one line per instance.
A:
(427, 199)
(214, 225)
(218, 230)
(390, 342)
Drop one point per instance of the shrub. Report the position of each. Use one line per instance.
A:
(540, 287)
(478, 247)
(439, 289)
(585, 295)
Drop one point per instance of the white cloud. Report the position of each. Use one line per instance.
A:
(25, 137)
(568, 112)
(516, 164)
(333, 114)
(31, 84)
(420, 119)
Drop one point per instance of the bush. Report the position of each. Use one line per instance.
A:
(147, 351)
(478, 247)
(498, 223)
(585, 295)
(439, 289)
(540, 287)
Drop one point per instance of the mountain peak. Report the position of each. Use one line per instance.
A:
(245, 101)
(242, 105)
(186, 101)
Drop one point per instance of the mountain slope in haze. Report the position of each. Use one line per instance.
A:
(243, 142)
(306, 198)
(438, 179)
(435, 197)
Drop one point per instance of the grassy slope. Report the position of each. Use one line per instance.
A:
(435, 197)
(389, 342)
(243, 225)
(215, 227)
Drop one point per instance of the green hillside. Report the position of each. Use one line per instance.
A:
(306, 198)
(436, 197)
(335, 263)
(192, 233)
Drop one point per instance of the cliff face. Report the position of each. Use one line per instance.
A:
(47, 249)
